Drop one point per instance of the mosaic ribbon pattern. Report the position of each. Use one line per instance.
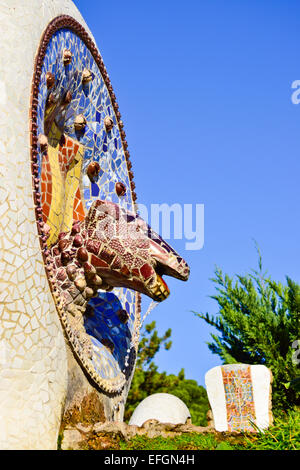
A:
(239, 397)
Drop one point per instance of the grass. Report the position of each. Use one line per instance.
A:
(183, 442)
(284, 435)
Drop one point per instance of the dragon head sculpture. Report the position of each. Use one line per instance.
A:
(110, 248)
(114, 248)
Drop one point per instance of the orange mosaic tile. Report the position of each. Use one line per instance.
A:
(78, 211)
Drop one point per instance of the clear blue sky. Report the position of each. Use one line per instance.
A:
(204, 88)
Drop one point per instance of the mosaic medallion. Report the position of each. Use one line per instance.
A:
(98, 253)
(81, 156)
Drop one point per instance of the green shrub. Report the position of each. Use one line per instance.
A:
(147, 380)
(258, 322)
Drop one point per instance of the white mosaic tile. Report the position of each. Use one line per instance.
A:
(33, 383)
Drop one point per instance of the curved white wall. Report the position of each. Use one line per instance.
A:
(33, 364)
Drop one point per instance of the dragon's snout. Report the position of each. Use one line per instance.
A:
(115, 248)
(144, 255)
(165, 261)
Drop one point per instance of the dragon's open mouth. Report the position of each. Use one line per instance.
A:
(104, 252)
(160, 290)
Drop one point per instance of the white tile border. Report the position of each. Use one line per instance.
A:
(33, 383)
(261, 381)
(216, 396)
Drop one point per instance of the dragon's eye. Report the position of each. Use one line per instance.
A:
(130, 218)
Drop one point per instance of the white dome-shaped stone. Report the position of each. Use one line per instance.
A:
(164, 407)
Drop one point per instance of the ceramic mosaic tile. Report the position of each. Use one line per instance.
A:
(33, 360)
(240, 397)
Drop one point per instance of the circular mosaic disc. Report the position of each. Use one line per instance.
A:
(79, 155)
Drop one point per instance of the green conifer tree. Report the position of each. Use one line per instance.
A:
(147, 380)
(259, 323)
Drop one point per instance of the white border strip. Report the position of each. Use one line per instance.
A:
(216, 395)
(261, 380)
